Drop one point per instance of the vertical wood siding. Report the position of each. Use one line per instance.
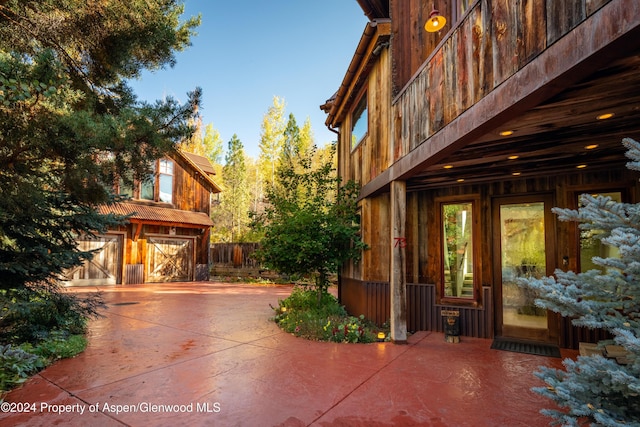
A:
(423, 314)
(437, 79)
(571, 336)
(365, 289)
(133, 274)
(189, 193)
(373, 154)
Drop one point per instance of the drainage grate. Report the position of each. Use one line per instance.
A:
(527, 347)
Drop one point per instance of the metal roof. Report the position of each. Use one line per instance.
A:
(201, 166)
(146, 213)
(201, 162)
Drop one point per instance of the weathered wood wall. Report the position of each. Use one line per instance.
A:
(189, 194)
(375, 223)
(372, 155)
(437, 76)
(563, 188)
(364, 287)
(372, 298)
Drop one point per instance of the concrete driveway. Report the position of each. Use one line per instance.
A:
(206, 354)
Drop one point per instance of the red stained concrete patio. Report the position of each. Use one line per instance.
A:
(211, 348)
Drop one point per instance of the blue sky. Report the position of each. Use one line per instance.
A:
(248, 51)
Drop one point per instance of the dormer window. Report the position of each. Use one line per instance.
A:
(165, 181)
(158, 187)
(359, 121)
(148, 186)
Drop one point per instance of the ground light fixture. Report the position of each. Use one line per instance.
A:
(435, 21)
(381, 336)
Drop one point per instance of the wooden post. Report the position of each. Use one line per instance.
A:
(398, 262)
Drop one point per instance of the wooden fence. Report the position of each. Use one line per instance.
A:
(234, 258)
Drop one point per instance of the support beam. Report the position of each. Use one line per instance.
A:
(398, 263)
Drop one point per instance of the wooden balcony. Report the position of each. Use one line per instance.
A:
(543, 70)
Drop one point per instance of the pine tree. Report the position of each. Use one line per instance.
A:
(235, 198)
(595, 389)
(70, 125)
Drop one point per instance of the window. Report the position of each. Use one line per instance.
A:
(590, 243)
(148, 186)
(359, 121)
(165, 179)
(159, 185)
(457, 249)
(125, 186)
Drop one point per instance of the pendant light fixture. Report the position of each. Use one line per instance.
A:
(435, 21)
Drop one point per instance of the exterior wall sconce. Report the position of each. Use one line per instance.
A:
(435, 21)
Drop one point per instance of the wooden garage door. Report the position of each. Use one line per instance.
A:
(169, 259)
(103, 268)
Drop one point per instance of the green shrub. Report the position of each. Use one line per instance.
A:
(39, 325)
(30, 314)
(301, 315)
(16, 365)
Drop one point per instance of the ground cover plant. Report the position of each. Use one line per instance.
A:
(306, 315)
(38, 327)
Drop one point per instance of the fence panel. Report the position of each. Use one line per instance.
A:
(237, 255)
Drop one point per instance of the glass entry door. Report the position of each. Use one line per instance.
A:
(523, 248)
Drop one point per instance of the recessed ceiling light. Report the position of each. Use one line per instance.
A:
(516, 174)
(447, 166)
(506, 133)
(591, 146)
(581, 166)
(513, 157)
(461, 180)
(605, 116)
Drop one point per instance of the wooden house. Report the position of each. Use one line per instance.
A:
(464, 139)
(166, 238)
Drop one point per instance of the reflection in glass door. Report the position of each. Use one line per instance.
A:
(523, 254)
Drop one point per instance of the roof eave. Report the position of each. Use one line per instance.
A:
(376, 33)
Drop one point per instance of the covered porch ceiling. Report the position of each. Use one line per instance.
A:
(551, 138)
